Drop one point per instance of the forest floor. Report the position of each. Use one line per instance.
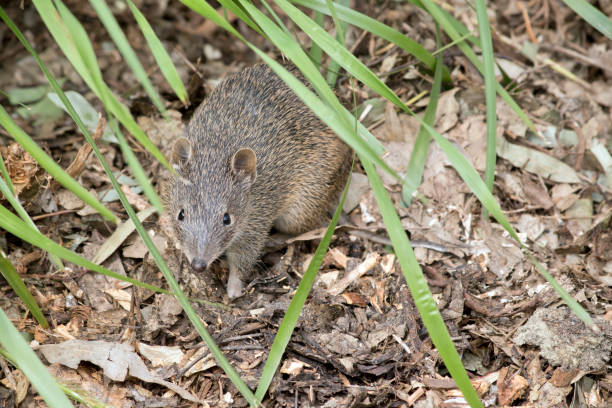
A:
(360, 341)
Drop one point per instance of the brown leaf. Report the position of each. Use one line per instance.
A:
(510, 386)
(115, 359)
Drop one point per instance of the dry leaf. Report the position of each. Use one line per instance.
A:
(116, 360)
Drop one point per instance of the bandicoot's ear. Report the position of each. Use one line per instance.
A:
(181, 151)
(244, 164)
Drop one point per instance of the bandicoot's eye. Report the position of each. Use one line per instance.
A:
(227, 219)
(181, 215)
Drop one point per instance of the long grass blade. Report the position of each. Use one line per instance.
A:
(28, 362)
(448, 26)
(74, 43)
(14, 280)
(137, 169)
(6, 188)
(11, 223)
(334, 67)
(377, 28)
(488, 62)
(316, 53)
(50, 166)
(159, 53)
(418, 157)
(592, 15)
(124, 47)
(418, 287)
(283, 335)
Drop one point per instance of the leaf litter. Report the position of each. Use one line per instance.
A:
(359, 340)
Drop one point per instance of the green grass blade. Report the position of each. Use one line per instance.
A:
(283, 335)
(11, 223)
(593, 16)
(14, 280)
(74, 43)
(419, 289)
(32, 367)
(567, 298)
(174, 286)
(337, 122)
(184, 302)
(294, 52)
(334, 67)
(339, 53)
(275, 16)
(316, 53)
(418, 157)
(159, 53)
(488, 62)
(441, 18)
(124, 47)
(14, 202)
(4, 172)
(238, 12)
(137, 169)
(50, 166)
(377, 28)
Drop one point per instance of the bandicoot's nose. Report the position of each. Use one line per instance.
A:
(198, 264)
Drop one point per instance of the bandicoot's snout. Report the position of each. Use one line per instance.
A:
(199, 264)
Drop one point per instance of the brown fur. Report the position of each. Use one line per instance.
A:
(295, 176)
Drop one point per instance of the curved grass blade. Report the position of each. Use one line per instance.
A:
(283, 335)
(50, 166)
(175, 288)
(14, 280)
(124, 47)
(419, 289)
(74, 43)
(28, 362)
(11, 223)
(137, 169)
(418, 157)
(316, 53)
(159, 53)
(441, 18)
(593, 16)
(337, 122)
(296, 54)
(6, 188)
(334, 67)
(488, 62)
(377, 28)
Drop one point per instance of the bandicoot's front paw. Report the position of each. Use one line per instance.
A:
(235, 286)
